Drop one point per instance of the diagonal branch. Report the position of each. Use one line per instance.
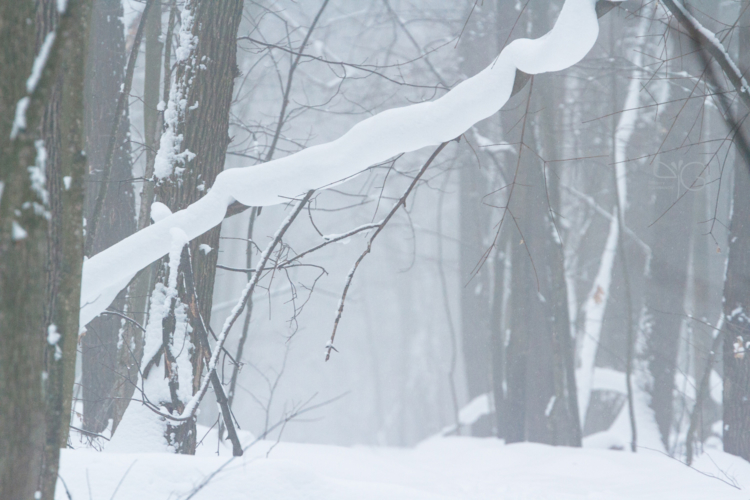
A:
(192, 406)
(221, 397)
(707, 41)
(401, 202)
(290, 76)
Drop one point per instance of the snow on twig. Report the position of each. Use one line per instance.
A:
(708, 41)
(192, 405)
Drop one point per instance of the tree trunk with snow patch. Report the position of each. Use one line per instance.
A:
(206, 76)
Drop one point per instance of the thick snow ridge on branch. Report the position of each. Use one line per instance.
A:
(371, 141)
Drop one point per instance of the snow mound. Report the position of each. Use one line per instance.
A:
(440, 468)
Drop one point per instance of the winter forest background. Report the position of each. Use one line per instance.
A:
(572, 270)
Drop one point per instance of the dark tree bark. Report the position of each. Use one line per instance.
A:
(499, 318)
(705, 308)
(210, 71)
(564, 411)
(63, 128)
(40, 242)
(665, 300)
(736, 351)
(538, 366)
(105, 67)
(152, 77)
(665, 289)
(22, 280)
(130, 346)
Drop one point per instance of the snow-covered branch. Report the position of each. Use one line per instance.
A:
(708, 41)
(192, 406)
(371, 141)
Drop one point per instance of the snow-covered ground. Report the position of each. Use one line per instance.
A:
(439, 468)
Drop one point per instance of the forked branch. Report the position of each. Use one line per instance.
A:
(401, 202)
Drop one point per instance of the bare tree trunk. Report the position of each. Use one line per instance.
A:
(248, 314)
(564, 410)
(542, 405)
(105, 72)
(130, 342)
(665, 294)
(705, 340)
(541, 397)
(478, 325)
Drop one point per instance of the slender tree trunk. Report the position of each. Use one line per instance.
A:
(477, 47)
(670, 227)
(542, 404)
(665, 293)
(564, 411)
(736, 352)
(541, 392)
(105, 71)
(705, 411)
(130, 343)
(23, 240)
(246, 322)
(530, 374)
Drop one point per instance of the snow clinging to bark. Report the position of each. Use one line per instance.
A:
(39, 62)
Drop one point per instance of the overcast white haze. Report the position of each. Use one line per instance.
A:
(374, 249)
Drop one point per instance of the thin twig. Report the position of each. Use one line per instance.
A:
(89, 433)
(290, 76)
(123, 316)
(192, 406)
(248, 314)
(381, 225)
(301, 410)
(122, 479)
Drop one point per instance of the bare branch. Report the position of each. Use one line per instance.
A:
(380, 226)
(708, 42)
